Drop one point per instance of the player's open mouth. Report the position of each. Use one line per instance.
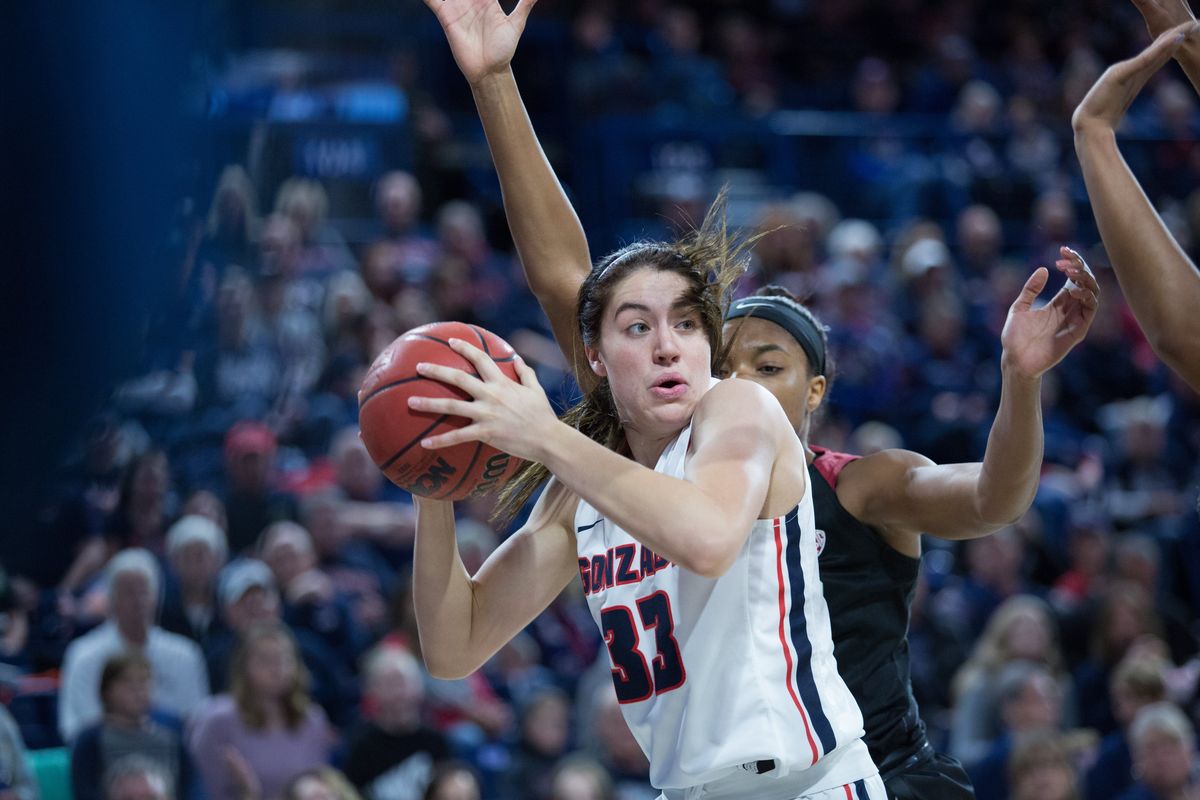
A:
(669, 386)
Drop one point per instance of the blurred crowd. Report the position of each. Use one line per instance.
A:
(216, 601)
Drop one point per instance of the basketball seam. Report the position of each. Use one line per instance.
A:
(387, 464)
(387, 386)
(482, 340)
(429, 338)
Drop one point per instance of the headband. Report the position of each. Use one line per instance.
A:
(786, 315)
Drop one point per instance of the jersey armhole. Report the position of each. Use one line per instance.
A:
(830, 463)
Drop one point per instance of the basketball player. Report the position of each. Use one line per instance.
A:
(1156, 275)
(873, 510)
(966, 500)
(683, 505)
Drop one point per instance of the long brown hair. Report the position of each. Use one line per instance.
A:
(295, 704)
(710, 258)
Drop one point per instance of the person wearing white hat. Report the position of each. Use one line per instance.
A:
(180, 679)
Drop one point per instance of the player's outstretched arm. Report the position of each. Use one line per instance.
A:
(906, 494)
(547, 233)
(464, 619)
(1163, 15)
(1160, 282)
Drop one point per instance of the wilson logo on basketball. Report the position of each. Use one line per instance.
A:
(820, 541)
(493, 470)
(434, 478)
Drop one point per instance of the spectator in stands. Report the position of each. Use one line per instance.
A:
(136, 778)
(391, 755)
(578, 777)
(1164, 755)
(603, 77)
(1125, 616)
(359, 574)
(324, 783)
(179, 678)
(203, 503)
(1141, 492)
(237, 373)
(1137, 559)
(129, 727)
(231, 229)
(14, 623)
(252, 502)
(453, 780)
(196, 551)
(376, 511)
(544, 736)
(1137, 682)
(309, 600)
(995, 573)
(1041, 768)
(17, 781)
(139, 518)
(248, 597)
(1030, 702)
(1089, 548)
(251, 742)
(617, 750)
(1021, 630)
(398, 200)
(685, 79)
(323, 251)
(86, 498)
(461, 236)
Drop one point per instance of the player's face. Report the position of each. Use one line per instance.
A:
(654, 352)
(765, 353)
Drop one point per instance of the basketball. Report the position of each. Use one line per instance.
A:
(393, 432)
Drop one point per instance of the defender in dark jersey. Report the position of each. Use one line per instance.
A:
(873, 510)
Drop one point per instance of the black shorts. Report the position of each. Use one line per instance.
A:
(933, 777)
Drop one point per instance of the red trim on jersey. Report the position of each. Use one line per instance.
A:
(830, 464)
(848, 795)
(787, 653)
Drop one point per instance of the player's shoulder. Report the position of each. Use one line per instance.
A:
(881, 469)
(735, 398)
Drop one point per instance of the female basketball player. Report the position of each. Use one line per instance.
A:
(962, 500)
(681, 502)
(1156, 275)
(873, 510)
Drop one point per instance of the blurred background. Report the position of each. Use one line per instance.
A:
(217, 213)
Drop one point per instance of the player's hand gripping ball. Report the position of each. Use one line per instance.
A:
(393, 432)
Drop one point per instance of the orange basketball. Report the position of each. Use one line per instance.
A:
(393, 432)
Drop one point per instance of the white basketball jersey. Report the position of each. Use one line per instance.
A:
(716, 675)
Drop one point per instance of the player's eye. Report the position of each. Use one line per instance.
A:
(638, 327)
(769, 369)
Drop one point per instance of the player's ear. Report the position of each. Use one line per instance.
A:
(816, 393)
(595, 362)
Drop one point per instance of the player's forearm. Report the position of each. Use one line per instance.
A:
(443, 597)
(1008, 477)
(545, 228)
(673, 517)
(1160, 282)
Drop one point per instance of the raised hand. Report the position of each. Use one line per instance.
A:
(1035, 340)
(510, 416)
(1108, 100)
(482, 37)
(1162, 15)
